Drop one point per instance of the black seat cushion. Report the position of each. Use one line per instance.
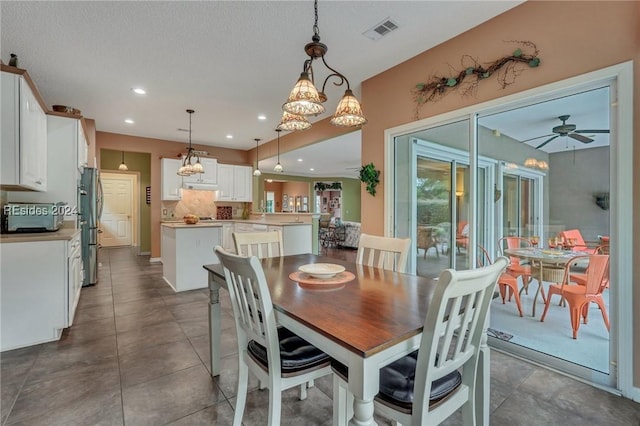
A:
(295, 353)
(396, 382)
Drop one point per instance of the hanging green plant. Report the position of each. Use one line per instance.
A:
(370, 176)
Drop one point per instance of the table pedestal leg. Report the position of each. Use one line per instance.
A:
(362, 413)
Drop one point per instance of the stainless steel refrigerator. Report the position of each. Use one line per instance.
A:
(90, 200)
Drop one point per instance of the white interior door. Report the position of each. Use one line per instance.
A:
(115, 221)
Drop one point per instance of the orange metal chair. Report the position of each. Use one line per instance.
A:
(462, 238)
(580, 244)
(504, 281)
(515, 268)
(579, 296)
(580, 278)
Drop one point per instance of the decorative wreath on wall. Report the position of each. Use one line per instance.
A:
(467, 79)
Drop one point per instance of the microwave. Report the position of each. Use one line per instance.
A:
(33, 217)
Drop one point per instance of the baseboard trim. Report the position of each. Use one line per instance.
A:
(144, 253)
(155, 260)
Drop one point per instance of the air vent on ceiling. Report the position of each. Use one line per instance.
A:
(382, 29)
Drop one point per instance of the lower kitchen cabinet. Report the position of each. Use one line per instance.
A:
(296, 239)
(40, 286)
(185, 248)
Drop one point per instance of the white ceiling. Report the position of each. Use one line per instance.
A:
(587, 110)
(228, 60)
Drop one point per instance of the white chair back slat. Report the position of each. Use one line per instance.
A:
(458, 309)
(383, 252)
(260, 244)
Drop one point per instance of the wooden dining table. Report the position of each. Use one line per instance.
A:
(365, 323)
(548, 263)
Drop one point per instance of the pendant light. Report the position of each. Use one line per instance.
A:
(292, 122)
(123, 167)
(305, 99)
(188, 169)
(278, 168)
(257, 171)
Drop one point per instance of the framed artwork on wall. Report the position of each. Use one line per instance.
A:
(285, 203)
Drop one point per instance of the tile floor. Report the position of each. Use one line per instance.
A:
(137, 354)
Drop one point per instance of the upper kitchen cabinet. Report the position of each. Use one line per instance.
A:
(234, 183)
(209, 177)
(171, 181)
(67, 151)
(24, 134)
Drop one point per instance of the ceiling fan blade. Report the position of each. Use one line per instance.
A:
(546, 142)
(591, 131)
(580, 138)
(538, 137)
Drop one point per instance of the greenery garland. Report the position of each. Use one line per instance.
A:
(506, 68)
(323, 186)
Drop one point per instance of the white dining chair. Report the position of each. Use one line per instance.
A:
(430, 384)
(260, 244)
(279, 358)
(383, 252)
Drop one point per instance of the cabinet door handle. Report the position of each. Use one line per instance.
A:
(39, 182)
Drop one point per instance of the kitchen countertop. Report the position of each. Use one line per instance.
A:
(252, 221)
(62, 234)
(202, 224)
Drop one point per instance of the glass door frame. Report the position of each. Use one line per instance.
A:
(620, 79)
(538, 195)
(434, 151)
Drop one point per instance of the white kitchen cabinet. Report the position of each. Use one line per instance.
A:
(66, 142)
(209, 177)
(235, 183)
(83, 149)
(185, 248)
(24, 136)
(171, 181)
(296, 239)
(38, 299)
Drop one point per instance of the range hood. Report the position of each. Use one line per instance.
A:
(200, 186)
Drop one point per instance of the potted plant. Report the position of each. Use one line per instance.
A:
(371, 177)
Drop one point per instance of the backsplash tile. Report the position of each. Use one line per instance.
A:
(200, 203)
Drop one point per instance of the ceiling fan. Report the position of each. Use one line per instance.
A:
(567, 130)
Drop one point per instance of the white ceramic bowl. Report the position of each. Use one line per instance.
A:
(321, 271)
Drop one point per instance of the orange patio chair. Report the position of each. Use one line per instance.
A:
(580, 278)
(580, 244)
(462, 235)
(580, 296)
(505, 281)
(515, 268)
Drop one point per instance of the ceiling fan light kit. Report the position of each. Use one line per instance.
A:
(304, 99)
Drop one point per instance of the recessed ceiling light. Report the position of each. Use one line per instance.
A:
(139, 91)
(311, 169)
(262, 117)
(129, 121)
(300, 160)
(229, 136)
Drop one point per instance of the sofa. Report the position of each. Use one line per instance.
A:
(351, 234)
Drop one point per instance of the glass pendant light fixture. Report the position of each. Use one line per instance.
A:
(305, 99)
(257, 171)
(292, 122)
(188, 169)
(123, 166)
(278, 168)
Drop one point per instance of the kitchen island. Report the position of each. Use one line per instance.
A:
(185, 248)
